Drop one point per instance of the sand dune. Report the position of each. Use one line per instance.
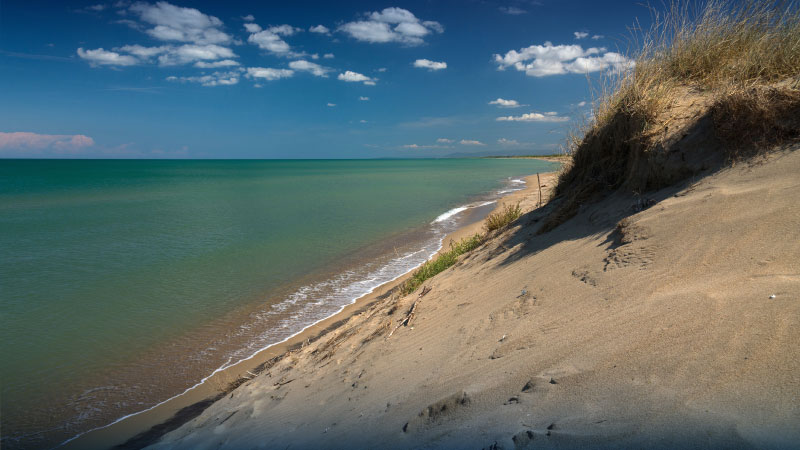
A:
(672, 326)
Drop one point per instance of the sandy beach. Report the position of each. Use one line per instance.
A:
(671, 326)
(150, 424)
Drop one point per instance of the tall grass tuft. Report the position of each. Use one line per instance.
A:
(502, 218)
(442, 262)
(733, 52)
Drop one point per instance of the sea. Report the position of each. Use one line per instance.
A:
(125, 282)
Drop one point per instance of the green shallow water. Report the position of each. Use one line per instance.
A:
(112, 271)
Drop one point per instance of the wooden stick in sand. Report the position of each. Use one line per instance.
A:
(539, 182)
(411, 311)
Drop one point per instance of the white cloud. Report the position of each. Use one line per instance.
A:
(216, 64)
(431, 65)
(98, 7)
(580, 35)
(470, 142)
(417, 146)
(268, 73)
(284, 30)
(102, 57)
(213, 79)
(514, 143)
(597, 36)
(321, 29)
(142, 52)
(362, 121)
(328, 56)
(248, 18)
(445, 141)
(168, 55)
(364, 99)
(252, 27)
(503, 103)
(549, 59)
(534, 117)
(582, 103)
(269, 41)
(35, 143)
(508, 142)
(199, 38)
(391, 25)
(355, 77)
(175, 23)
(188, 53)
(331, 105)
(313, 68)
(512, 10)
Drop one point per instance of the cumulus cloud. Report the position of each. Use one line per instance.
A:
(391, 25)
(470, 142)
(534, 117)
(321, 29)
(194, 37)
(363, 99)
(268, 73)
(216, 64)
(328, 56)
(445, 141)
(36, 143)
(248, 18)
(512, 10)
(580, 34)
(313, 68)
(189, 53)
(355, 77)
(331, 105)
(503, 103)
(252, 27)
(418, 146)
(597, 36)
(176, 23)
(430, 65)
(102, 57)
(549, 59)
(213, 79)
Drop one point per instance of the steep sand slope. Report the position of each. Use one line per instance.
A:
(619, 328)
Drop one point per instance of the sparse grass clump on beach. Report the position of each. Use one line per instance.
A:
(494, 221)
(442, 262)
(742, 58)
(502, 218)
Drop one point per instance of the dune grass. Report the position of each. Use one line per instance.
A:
(494, 221)
(442, 262)
(745, 55)
(502, 218)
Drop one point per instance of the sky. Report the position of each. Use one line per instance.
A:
(358, 79)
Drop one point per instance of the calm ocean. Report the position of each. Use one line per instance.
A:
(122, 283)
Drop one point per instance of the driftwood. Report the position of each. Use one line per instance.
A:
(410, 314)
(539, 182)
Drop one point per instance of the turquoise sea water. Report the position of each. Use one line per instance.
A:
(124, 282)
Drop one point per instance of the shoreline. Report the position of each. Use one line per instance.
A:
(160, 418)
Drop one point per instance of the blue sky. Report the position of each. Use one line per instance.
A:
(183, 79)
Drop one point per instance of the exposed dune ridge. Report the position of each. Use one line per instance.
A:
(670, 320)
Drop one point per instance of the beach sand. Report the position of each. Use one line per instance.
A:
(660, 322)
(152, 423)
